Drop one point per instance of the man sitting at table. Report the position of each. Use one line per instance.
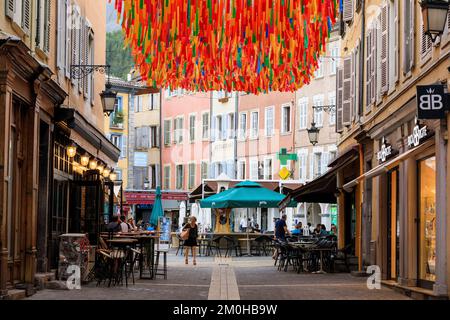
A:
(298, 231)
(114, 225)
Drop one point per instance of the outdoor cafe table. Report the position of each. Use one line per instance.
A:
(121, 245)
(310, 247)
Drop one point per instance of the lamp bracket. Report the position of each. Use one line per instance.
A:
(78, 71)
(329, 108)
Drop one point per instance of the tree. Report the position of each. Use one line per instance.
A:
(117, 55)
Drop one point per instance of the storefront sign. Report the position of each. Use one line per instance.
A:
(417, 136)
(431, 102)
(385, 151)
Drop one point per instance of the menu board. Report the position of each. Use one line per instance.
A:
(165, 226)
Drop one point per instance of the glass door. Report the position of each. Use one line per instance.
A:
(427, 222)
(393, 226)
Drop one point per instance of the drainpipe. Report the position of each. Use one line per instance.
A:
(210, 131)
(160, 138)
(361, 57)
(236, 115)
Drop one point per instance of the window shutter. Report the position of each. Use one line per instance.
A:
(348, 10)
(373, 65)
(74, 40)
(347, 92)
(325, 156)
(26, 16)
(384, 50)
(396, 41)
(67, 38)
(426, 43)
(86, 56)
(158, 136)
(311, 166)
(412, 21)
(60, 44)
(10, 8)
(353, 88)
(47, 25)
(80, 58)
(368, 67)
(339, 125)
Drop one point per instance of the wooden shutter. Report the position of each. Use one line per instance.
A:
(86, 30)
(353, 87)
(412, 28)
(80, 49)
(10, 8)
(348, 10)
(74, 39)
(373, 65)
(426, 43)
(347, 91)
(60, 43)
(339, 85)
(396, 41)
(26, 16)
(67, 39)
(123, 150)
(47, 26)
(384, 50)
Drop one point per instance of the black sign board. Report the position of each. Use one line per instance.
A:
(431, 102)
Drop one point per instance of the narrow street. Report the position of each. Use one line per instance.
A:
(242, 278)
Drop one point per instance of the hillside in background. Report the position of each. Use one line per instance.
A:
(118, 57)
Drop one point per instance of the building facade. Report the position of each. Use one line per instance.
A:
(396, 189)
(45, 108)
(313, 160)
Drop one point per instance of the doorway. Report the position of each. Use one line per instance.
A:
(393, 227)
(350, 221)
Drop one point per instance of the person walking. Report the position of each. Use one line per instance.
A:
(281, 229)
(191, 241)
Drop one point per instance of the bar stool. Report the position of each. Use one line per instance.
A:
(158, 252)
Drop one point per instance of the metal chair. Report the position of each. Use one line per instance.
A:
(232, 244)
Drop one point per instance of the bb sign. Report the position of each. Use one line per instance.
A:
(431, 102)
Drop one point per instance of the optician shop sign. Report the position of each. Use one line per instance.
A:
(432, 102)
(418, 134)
(385, 151)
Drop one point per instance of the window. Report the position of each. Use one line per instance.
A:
(318, 115)
(317, 165)
(20, 13)
(167, 177)
(334, 60)
(116, 140)
(218, 169)
(178, 130)
(153, 177)
(242, 126)
(223, 127)
(204, 170)
(332, 101)
(117, 118)
(268, 174)
(269, 121)
(180, 173)
(261, 170)
(393, 34)
(303, 113)
(191, 128)
(154, 136)
(153, 101)
(142, 137)
(286, 119)
(241, 170)
(140, 174)
(167, 131)
(61, 45)
(319, 71)
(254, 169)
(138, 104)
(43, 23)
(191, 182)
(302, 161)
(254, 125)
(219, 127)
(230, 125)
(205, 125)
(332, 156)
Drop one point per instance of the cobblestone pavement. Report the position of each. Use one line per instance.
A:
(246, 278)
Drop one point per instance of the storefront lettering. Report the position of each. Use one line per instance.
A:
(385, 152)
(418, 134)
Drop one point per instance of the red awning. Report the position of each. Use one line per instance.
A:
(148, 197)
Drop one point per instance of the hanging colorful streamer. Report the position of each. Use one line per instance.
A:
(252, 46)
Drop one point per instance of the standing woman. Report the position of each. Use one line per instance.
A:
(191, 240)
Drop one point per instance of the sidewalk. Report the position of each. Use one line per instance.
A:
(230, 279)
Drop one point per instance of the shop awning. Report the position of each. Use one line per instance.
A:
(148, 197)
(322, 189)
(384, 167)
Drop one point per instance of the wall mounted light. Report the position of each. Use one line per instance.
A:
(71, 150)
(84, 160)
(93, 164)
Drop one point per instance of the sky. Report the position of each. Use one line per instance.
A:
(111, 17)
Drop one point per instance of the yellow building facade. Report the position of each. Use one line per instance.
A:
(393, 207)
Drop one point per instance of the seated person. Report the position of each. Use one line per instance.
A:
(114, 225)
(298, 231)
(323, 231)
(256, 228)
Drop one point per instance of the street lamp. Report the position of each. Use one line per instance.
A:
(71, 150)
(113, 176)
(106, 172)
(84, 160)
(313, 134)
(93, 164)
(100, 168)
(107, 96)
(434, 14)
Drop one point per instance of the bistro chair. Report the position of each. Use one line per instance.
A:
(232, 244)
(214, 245)
(164, 250)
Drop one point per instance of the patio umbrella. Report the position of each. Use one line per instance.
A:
(157, 208)
(246, 194)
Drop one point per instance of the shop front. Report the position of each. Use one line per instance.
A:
(408, 201)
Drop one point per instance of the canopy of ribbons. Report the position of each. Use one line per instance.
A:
(252, 46)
